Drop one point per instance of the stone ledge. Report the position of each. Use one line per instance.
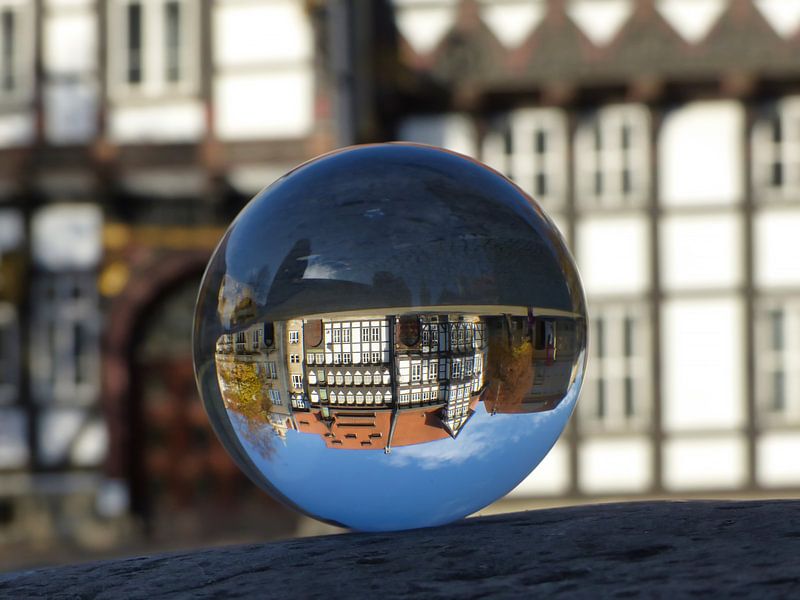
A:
(628, 549)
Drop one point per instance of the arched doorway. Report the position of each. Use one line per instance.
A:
(184, 488)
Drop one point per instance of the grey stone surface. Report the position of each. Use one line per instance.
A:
(647, 549)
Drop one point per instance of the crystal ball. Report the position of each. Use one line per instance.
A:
(390, 336)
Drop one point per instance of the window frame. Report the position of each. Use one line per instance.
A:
(154, 82)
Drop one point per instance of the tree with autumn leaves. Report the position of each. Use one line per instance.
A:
(244, 392)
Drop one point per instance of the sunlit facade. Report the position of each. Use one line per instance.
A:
(673, 178)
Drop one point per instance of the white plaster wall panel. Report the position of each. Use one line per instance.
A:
(69, 4)
(778, 459)
(551, 477)
(700, 154)
(14, 451)
(716, 463)
(16, 129)
(181, 121)
(512, 21)
(261, 33)
(613, 254)
(782, 15)
(71, 435)
(91, 445)
(70, 43)
(600, 20)
(701, 252)
(67, 236)
(452, 131)
(703, 354)
(70, 112)
(777, 248)
(271, 105)
(424, 24)
(615, 465)
(692, 19)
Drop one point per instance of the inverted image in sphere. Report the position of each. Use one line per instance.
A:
(390, 336)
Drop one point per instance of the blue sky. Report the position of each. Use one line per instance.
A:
(414, 486)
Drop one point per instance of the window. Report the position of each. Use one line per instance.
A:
(403, 398)
(337, 358)
(529, 145)
(365, 334)
(350, 398)
(297, 382)
(273, 371)
(312, 377)
(346, 336)
(376, 357)
(433, 369)
(347, 358)
(612, 149)
(339, 378)
(456, 368)
(369, 397)
(154, 46)
(294, 336)
(65, 350)
(367, 378)
(310, 359)
(348, 378)
(416, 371)
(359, 398)
(16, 50)
(358, 379)
(778, 360)
(776, 151)
(294, 358)
(275, 397)
(376, 334)
(337, 336)
(617, 386)
(415, 397)
(9, 353)
(331, 378)
(386, 377)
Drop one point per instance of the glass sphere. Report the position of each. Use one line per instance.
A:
(390, 336)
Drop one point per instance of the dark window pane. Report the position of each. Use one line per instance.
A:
(776, 174)
(626, 181)
(776, 329)
(540, 143)
(541, 185)
(629, 328)
(777, 129)
(601, 399)
(599, 342)
(625, 137)
(598, 137)
(598, 183)
(173, 41)
(8, 27)
(778, 391)
(629, 397)
(134, 43)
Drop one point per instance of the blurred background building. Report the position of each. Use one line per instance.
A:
(663, 136)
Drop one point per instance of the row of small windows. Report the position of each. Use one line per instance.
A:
(320, 377)
(345, 358)
(351, 397)
(345, 335)
(617, 391)
(612, 150)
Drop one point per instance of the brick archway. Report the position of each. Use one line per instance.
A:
(152, 275)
